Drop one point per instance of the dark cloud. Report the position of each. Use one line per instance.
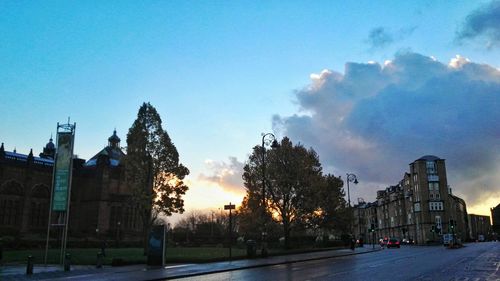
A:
(225, 174)
(375, 119)
(483, 23)
(380, 37)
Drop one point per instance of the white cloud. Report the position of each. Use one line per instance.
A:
(373, 120)
(228, 176)
(458, 61)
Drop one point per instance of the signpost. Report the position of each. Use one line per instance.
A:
(230, 207)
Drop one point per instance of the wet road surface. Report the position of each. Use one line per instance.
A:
(476, 261)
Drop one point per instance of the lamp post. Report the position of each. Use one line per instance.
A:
(267, 139)
(118, 233)
(212, 226)
(350, 178)
(354, 179)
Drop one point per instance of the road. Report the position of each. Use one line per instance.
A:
(476, 261)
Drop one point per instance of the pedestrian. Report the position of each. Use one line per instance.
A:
(103, 247)
(381, 242)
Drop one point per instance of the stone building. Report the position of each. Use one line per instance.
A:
(418, 208)
(495, 216)
(99, 194)
(479, 225)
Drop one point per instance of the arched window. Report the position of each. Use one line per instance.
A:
(11, 203)
(39, 206)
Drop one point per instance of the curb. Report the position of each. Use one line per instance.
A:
(260, 265)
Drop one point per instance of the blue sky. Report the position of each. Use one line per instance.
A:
(219, 73)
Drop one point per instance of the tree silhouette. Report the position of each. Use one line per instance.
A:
(152, 168)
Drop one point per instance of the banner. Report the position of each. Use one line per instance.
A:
(62, 171)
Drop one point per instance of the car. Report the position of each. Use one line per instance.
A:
(407, 241)
(393, 242)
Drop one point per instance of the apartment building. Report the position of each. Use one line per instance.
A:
(421, 207)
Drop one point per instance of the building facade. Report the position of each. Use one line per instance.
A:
(420, 207)
(495, 216)
(479, 226)
(99, 194)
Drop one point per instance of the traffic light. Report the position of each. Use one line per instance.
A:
(452, 224)
(433, 228)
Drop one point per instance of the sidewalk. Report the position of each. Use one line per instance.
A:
(142, 272)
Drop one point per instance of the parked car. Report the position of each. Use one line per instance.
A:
(407, 241)
(393, 242)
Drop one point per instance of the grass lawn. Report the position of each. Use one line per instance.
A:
(88, 256)
(128, 255)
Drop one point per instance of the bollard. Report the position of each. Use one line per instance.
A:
(67, 262)
(29, 266)
(99, 260)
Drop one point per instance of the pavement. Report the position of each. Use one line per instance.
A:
(143, 272)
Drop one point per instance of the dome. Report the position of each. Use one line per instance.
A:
(114, 140)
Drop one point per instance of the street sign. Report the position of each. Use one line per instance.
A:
(229, 207)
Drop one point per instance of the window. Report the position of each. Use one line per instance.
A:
(38, 216)
(433, 186)
(431, 168)
(432, 177)
(417, 193)
(417, 207)
(409, 218)
(437, 220)
(436, 206)
(9, 212)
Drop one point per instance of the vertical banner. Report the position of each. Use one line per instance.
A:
(62, 170)
(156, 243)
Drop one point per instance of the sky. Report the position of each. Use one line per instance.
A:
(370, 85)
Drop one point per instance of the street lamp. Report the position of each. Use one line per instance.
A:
(118, 233)
(350, 178)
(267, 139)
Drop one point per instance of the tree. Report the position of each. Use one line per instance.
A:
(203, 227)
(250, 220)
(152, 169)
(292, 172)
(331, 211)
